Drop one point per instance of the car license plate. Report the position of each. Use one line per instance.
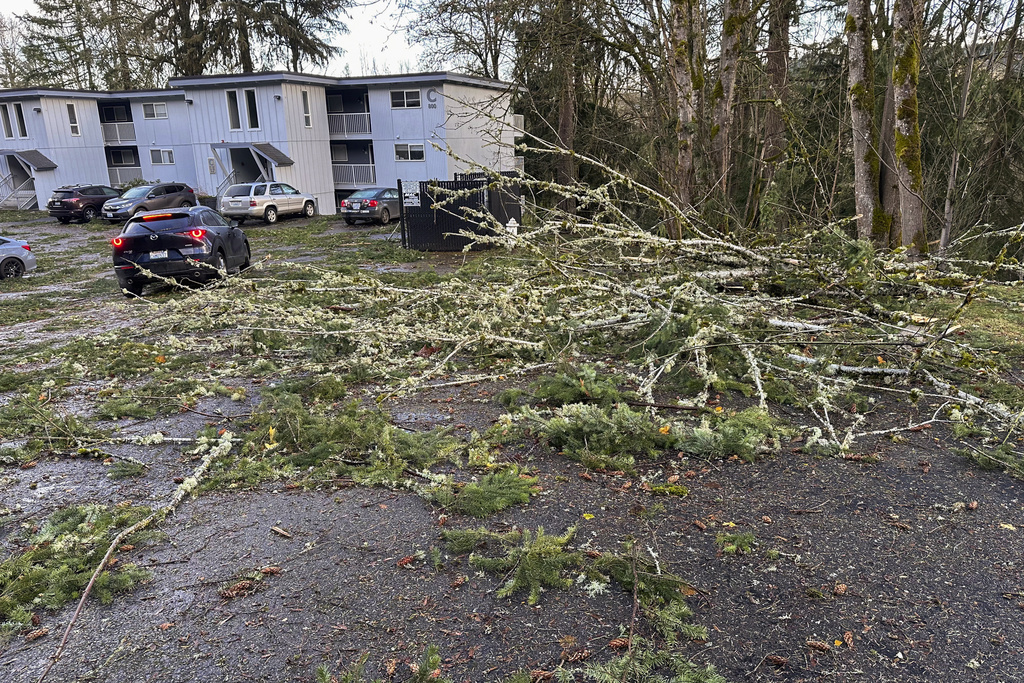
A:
(157, 254)
(355, 205)
(109, 215)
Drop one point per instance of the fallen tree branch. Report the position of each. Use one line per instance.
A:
(223, 446)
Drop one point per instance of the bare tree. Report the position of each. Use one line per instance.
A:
(862, 115)
(734, 17)
(907, 17)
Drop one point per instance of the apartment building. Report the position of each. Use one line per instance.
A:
(327, 136)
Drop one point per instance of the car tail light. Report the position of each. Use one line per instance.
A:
(197, 233)
(117, 241)
(156, 217)
(344, 203)
(190, 190)
(372, 203)
(26, 247)
(74, 200)
(252, 202)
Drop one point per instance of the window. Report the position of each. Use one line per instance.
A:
(161, 156)
(19, 114)
(276, 189)
(5, 114)
(306, 116)
(405, 152)
(250, 108)
(73, 119)
(154, 110)
(116, 114)
(339, 153)
(122, 157)
(405, 99)
(234, 119)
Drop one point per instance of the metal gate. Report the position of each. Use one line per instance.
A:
(428, 229)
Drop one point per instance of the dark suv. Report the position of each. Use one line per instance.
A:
(79, 202)
(192, 244)
(148, 198)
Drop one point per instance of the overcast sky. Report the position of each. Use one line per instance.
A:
(372, 37)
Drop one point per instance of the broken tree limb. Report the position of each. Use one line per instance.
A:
(222, 447)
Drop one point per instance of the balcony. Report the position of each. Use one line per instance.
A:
(117, 133)
(349, 125)
(354, 174)
(119, 175)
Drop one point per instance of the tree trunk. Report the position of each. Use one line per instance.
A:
(888, 222)
(681, 46)
(862, 115)
(905, 71)
(734, 16)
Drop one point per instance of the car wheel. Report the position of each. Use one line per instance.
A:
(11, 267)
(270, 215)
(139, 209)
(64, 220)
(248, 258)
(308, 210)
(185, 205)
(385, 217)
(222, 266)
(89, 213)
(131, 289)
(240, 219)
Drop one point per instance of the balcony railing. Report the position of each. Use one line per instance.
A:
(122, 174)
(119, 132)
(349, 124)
(355, 174)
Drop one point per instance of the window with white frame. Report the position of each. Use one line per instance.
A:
(19, 115)
(408, 152)
(251, 109)
(5, 115)
(122, 157)
(339, 153)
(234, 116)
(405, 99)
(154, 110)
(307, 117)
(73, 120)
(161, 156)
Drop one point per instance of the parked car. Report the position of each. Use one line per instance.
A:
(193, 244)
(79, 202)
(148, 198)
(16, 257)
(372, 204)
(266, 201)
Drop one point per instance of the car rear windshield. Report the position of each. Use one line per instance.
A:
(238, 191)
(136, 192)
(63, 194)
(172, 222)
(364, 194)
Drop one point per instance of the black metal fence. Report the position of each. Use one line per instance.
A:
(428, 229)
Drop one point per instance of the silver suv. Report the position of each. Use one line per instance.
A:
(266, 201)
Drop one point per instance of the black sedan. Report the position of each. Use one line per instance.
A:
(193, 244)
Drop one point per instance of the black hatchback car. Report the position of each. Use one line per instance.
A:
(79, 202)
(192, 244)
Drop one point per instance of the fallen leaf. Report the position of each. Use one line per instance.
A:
(587, 515)
(766, 519)
(405, 561)
(731, 525)
(673, 479)
(427, 351)
(280, 532)
(585, 475)
(700, 525)
(1008, 527)
(973, 505)
(541, 675)
(166, 625)
(161, 359)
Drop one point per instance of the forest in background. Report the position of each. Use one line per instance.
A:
(757, 118)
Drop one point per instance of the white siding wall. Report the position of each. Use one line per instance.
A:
(208, 117)
(478, 128)
(173, 133)
(422, 126)
(309, 148)
(79, 158)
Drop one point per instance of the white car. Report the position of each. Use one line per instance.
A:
(266, 201)
(16, 257)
